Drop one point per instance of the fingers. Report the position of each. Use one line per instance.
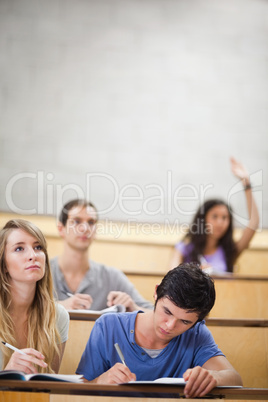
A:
(27, 361)
(111, 297)
(118, 374)
(199, 382)
(85, 300)
(122, 298)
(78, 301)
(238, 169)
(232, 159)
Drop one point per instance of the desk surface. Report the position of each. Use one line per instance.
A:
(159, 390)
(228, 322)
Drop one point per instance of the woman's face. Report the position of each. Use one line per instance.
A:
(24, 257)
(217, 221)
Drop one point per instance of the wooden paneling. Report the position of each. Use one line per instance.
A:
(11, 396)
(235, 298)
(239, 298)
(246, 350)
(143, 247)
(79, 332)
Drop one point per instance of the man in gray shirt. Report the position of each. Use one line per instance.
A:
(79, 282)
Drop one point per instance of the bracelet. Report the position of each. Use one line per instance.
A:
(247, 187)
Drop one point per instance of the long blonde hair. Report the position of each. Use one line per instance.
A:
(42, 331)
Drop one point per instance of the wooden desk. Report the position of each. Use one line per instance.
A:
(11, 391)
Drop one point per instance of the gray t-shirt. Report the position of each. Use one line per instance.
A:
(62, 322)
(98, 281)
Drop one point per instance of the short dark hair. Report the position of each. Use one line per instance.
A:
(189, 288)
(74, 203)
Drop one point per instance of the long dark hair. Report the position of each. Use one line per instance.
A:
(197, 234)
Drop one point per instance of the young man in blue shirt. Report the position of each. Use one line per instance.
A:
(171, 341)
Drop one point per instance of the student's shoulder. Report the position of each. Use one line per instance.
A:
(54, 263)
(62, 313)
(202, 330)
(184, 246)
(198, 329)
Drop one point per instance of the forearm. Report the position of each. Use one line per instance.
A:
(252, 209)
(227, 377)
(240, 171)
(253, 221)
(200, 381)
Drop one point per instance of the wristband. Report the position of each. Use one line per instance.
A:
(247, 187)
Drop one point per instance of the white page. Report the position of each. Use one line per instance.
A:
(163, 380)
(113, 309)
(48, 376)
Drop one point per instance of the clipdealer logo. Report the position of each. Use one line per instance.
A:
(133, 200)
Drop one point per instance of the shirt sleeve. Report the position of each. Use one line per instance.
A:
(63, 320)
(205, 347)
(181, 247)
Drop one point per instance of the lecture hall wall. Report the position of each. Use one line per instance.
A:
(137, 105)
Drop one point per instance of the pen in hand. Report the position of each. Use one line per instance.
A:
(13, 348)
(120, 354)
(68, 294)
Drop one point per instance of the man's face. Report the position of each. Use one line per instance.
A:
(80, 227)
(171, 321)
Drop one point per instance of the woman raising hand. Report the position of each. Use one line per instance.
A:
(210, 242)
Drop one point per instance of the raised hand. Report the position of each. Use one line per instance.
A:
(239, 170)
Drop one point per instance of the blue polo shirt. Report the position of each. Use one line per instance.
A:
(193, 348)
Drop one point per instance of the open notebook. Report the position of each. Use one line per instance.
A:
(163, 380)
(19, 375)
(172, 381)
(119, 308)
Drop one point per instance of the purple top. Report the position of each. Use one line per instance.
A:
(216, 260)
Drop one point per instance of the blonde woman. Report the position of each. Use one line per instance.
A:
(30, 319)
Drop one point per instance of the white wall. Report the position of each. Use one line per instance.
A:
(146, 92)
